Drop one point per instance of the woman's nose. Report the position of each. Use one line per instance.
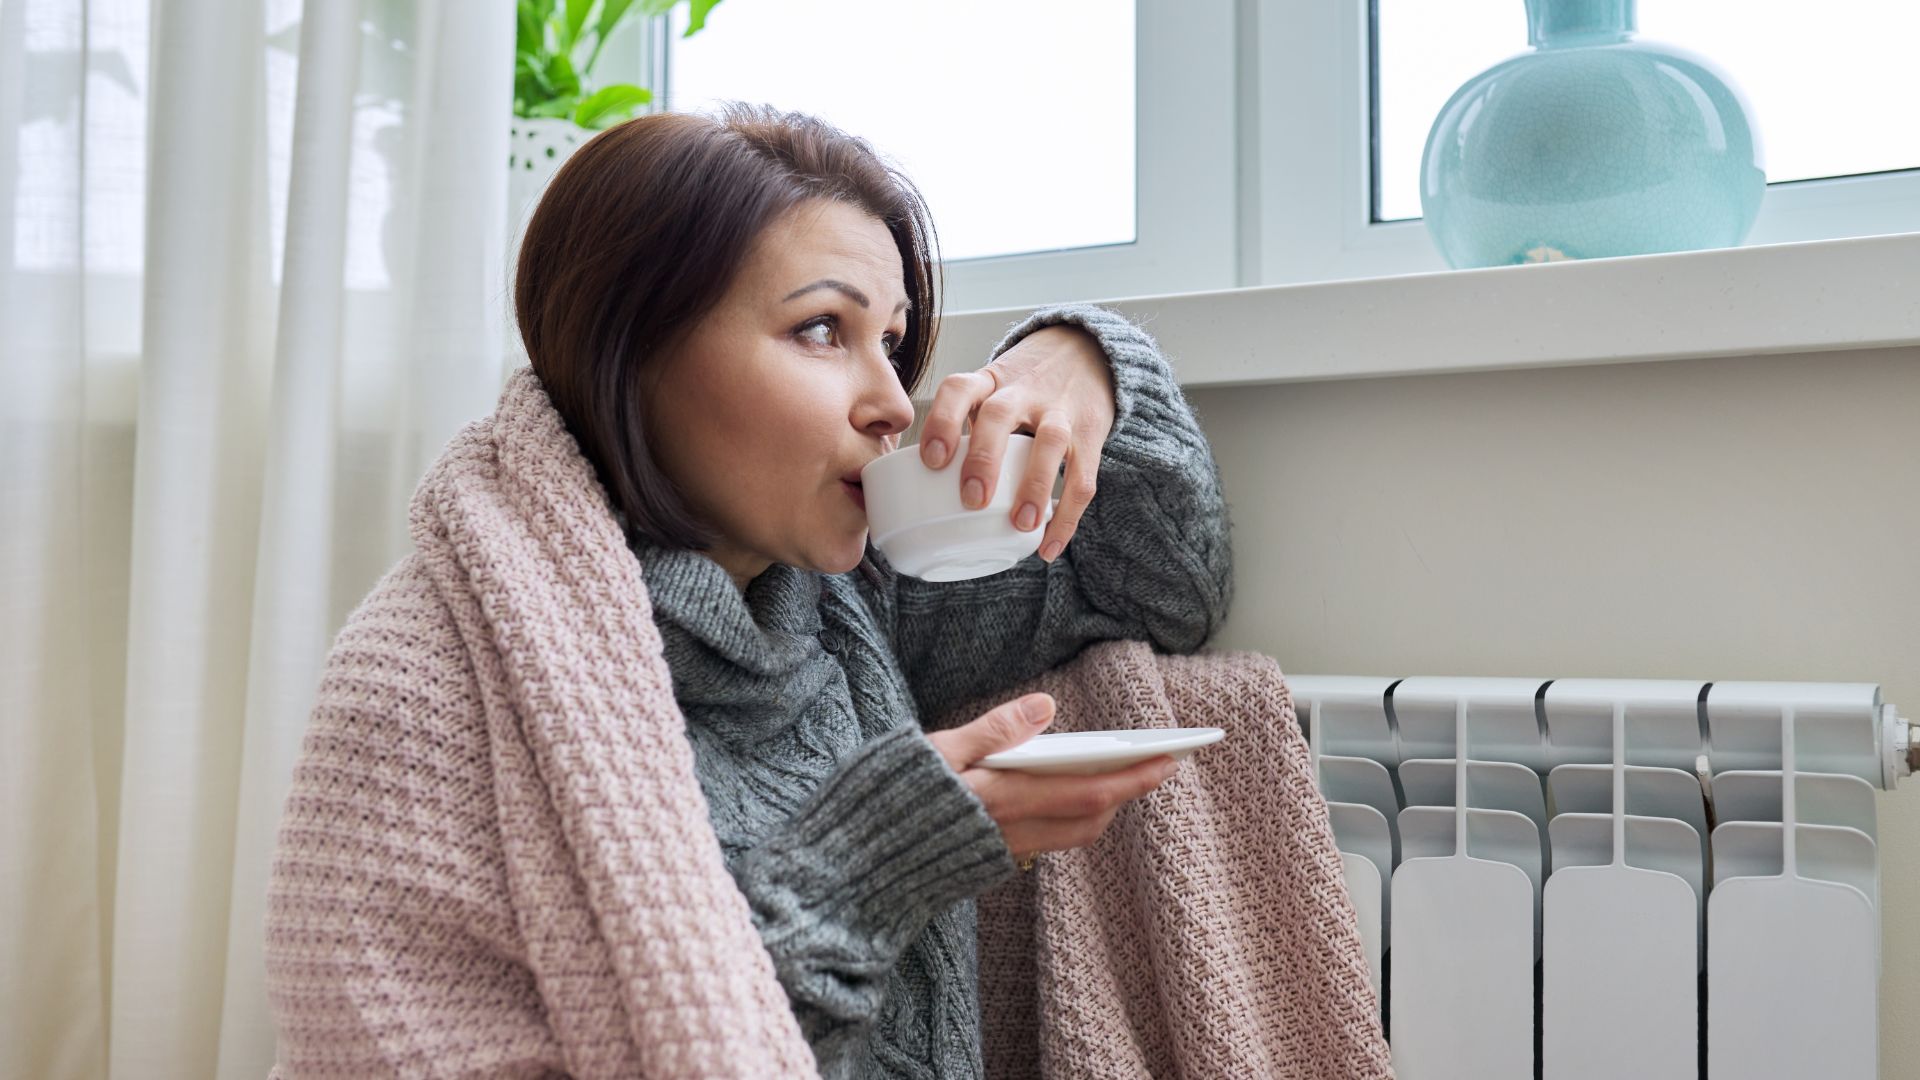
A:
(890, 416)
(885, 407)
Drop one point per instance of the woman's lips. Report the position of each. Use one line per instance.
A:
(855, 492)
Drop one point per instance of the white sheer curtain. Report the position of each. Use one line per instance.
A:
(251, 278)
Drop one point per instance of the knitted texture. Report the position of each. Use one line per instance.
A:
(1151, 561)
(495, 857)
(1208, 933)
(858, 849)
(784, 683)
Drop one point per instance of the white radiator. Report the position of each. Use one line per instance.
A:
(1646, 879)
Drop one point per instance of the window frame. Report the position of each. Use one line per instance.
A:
(1187, 226)
(1315, 160)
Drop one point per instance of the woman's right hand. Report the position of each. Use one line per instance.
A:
(1035, 812)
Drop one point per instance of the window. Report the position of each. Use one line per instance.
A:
(1072, 149)
(1831, 88)
(1066, 76)
(1312, 95)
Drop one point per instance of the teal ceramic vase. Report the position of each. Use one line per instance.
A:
(1592, 144)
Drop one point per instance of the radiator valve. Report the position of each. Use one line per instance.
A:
(1903, 746)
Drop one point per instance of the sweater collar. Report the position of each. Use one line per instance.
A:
(767, 632)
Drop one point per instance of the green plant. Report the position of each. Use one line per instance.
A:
(550, 80)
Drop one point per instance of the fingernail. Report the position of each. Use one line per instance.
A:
(1169, 769)
(1034, 713)
(1051, 551)
(974, 493)
(1028, 518)
(936, 453)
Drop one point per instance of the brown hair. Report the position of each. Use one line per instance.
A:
(640, 235)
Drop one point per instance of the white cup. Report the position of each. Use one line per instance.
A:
(916, 519)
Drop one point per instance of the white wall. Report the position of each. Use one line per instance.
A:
(1732, 518)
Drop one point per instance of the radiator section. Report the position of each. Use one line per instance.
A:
(1599, 878)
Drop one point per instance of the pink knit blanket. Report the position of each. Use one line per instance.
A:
(496, 859)
(1208, 933)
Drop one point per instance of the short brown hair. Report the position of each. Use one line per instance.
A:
(640, 235)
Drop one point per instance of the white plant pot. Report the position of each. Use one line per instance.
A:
(536, 151)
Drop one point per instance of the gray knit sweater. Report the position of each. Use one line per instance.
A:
(856, 846)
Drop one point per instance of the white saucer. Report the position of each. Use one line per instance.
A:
(1087, 752)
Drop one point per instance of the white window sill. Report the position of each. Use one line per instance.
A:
(1855, 293)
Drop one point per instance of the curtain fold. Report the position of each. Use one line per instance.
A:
(252, 277)
(291, 616)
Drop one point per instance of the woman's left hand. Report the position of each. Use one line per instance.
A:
(1055, 385)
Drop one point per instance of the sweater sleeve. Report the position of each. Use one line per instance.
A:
(1151, 560)
(889, 840)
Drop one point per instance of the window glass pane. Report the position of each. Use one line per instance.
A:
(1015, 119)
(1832, 86)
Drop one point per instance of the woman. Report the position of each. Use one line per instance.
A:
(728, 316)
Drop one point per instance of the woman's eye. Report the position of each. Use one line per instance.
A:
(891, 344)
(818, 332)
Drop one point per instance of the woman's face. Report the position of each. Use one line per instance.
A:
(764, 418)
